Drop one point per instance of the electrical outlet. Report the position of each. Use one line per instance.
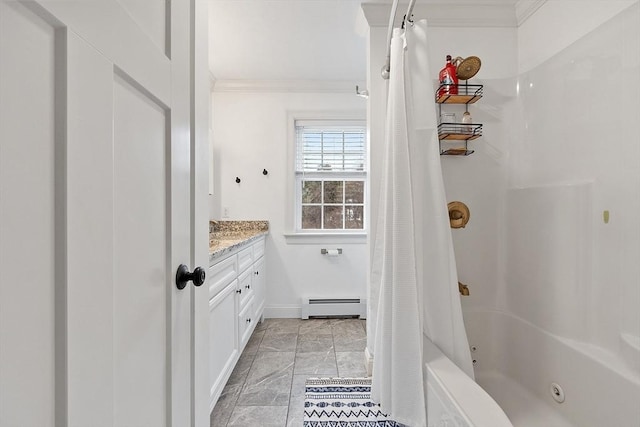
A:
(225, 212)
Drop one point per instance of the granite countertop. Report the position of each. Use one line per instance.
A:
(226, 236)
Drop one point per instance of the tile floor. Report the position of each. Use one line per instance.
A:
(266, 388)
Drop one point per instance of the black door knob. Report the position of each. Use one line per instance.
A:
(183, 276)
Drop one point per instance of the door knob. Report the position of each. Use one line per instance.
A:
(183, 276)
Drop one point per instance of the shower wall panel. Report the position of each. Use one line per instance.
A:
(578, 123)
(548, 257)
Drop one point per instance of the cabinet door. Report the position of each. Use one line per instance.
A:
(259, 284)
(245, 287)
(246, 323)
(223, 339)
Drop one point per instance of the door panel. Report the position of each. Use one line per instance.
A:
(152, 17)
(119, 332)
(123, 191)
(89, 234)
(109, 28)
(142, 284)
(27, 223)
(124, 311)
(96, 213)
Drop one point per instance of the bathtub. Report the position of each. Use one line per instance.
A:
(517, 363)
(453, 399)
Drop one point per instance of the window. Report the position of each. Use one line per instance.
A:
(331, 161)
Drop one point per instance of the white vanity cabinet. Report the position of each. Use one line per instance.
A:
(237, 292)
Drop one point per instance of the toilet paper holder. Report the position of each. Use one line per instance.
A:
(324, 251)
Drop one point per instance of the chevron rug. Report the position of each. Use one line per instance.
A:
(342, 402)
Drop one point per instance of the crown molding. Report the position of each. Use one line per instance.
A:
(445, 15)
(286, 86)
(526, 8)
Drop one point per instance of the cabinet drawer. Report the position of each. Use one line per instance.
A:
(258, 249)
(221, 274)
(245, 287)
(245, 258)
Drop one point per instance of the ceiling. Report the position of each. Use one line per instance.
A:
(297, 40)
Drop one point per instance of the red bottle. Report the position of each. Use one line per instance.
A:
(448, 79)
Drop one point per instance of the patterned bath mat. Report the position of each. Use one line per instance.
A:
(342, 402)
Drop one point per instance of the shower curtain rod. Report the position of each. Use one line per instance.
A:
(386, 68)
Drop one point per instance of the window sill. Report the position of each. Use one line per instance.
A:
(331, 238)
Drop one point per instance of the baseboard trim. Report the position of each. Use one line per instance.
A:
(282, 312)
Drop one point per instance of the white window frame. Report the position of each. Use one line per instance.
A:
(296, 234)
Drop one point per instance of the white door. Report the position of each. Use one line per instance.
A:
(96, 208)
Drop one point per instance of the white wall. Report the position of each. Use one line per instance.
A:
(250, 133)
(580, 109)
(559, 23)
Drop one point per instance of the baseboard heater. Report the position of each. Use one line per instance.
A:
(334, 307)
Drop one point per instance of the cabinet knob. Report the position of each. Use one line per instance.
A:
(238, 291)
(256, 272)
(183, 276)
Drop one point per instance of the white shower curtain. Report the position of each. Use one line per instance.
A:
(413, 261)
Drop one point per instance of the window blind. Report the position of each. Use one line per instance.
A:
(328, 148)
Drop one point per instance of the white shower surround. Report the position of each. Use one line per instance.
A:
(558, 128)
(566, 308)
